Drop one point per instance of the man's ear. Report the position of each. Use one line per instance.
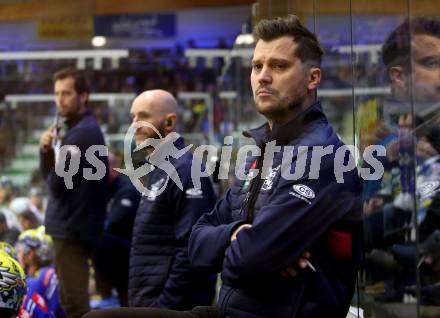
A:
(170, 122)
(397, 77)
(314, 78)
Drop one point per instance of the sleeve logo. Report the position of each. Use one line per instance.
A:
(194, 193)
(126, 203)
(304, 191)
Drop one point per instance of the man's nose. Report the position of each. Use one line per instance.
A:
(58, 100)
(265, 75)
(134, 120)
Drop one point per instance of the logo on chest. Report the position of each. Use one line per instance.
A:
(302, 192)
(154, 189)
(194, 193)
(268, 183)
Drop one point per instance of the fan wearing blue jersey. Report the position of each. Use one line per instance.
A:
(35, 253)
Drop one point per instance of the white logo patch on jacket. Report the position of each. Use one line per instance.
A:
(126, 203)
(155, 189)
(194, 193)
(303, 192)
(268, 183)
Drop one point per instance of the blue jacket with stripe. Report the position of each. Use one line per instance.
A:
(312, 212)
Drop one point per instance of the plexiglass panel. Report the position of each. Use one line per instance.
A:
(380, 91)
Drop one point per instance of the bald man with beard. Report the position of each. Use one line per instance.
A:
(160, 274)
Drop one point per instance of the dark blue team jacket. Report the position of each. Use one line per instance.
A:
(160, 273)
(313, 213)
(77, 214)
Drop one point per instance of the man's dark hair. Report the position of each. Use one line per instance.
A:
(80, 81)
(397, 47)
(308, 48)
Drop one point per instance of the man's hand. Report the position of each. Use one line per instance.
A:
(373, 204)
(290, 271)
(301, 263)
(46, 138)
(238, 229)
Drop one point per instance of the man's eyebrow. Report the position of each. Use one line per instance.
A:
(429, 56)
(279, 60)
(141, 113)
(273, 60)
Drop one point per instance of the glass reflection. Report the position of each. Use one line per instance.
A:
(402, 209)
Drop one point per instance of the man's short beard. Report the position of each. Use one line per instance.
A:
(161, 130)
(282, 109)
(295, 104)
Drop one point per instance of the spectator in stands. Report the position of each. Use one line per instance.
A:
(7, 234)
(114, 247)
(28, 220)
(12, 293)
(20, 205)
(6, 197)
(8, 248)
(34, 250)
(37, 198)
(74, 215)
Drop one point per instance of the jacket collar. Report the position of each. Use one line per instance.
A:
(179, 143)
(284, 133)
(76, 119)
